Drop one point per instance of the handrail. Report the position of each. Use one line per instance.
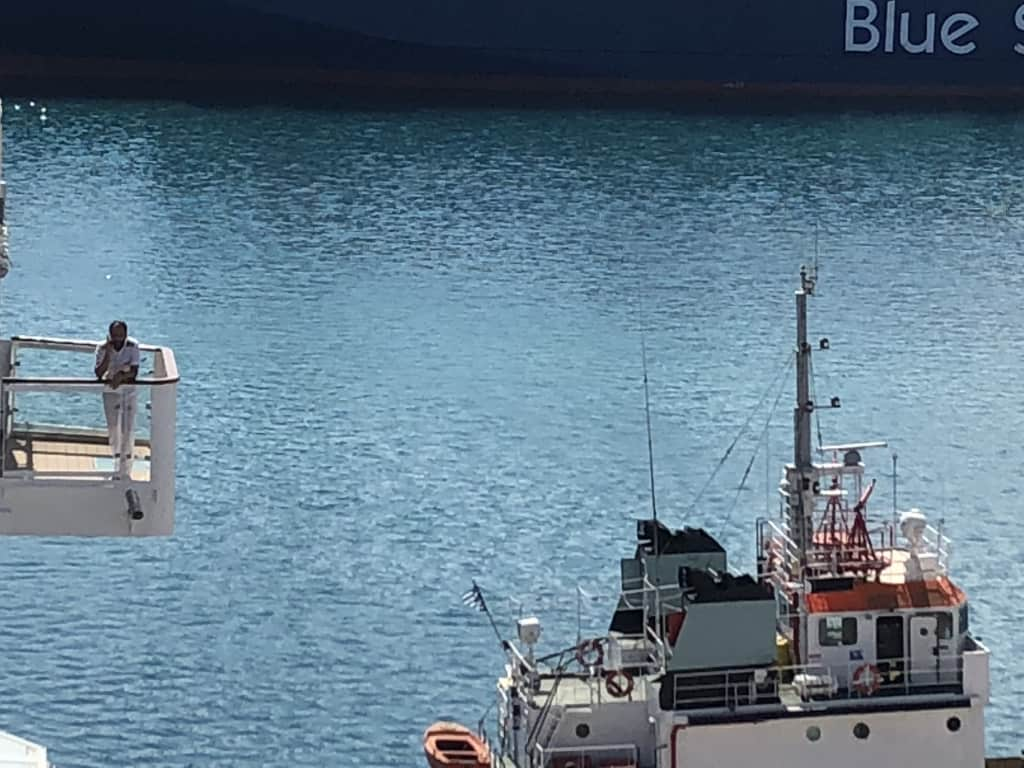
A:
(782, 564)
(711, 687)
(565, 599)
(87, 383)
(534, 734)
(85, 345)
(67, 345)
(546, 755)
(511, 648)
(160, 386)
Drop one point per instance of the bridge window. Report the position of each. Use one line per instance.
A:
(945, 626)
(837, 630)
(964, 625)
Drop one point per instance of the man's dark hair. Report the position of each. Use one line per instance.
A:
(117, 323)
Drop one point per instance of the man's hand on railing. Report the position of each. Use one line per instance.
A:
(124, 376)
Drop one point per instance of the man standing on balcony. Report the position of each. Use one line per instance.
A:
(117, 363)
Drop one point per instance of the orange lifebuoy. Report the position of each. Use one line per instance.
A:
(589, 653)
(619, 683)
(867, 679)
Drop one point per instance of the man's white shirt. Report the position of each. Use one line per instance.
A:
(120, 360)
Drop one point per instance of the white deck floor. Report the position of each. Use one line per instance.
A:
(60, 454)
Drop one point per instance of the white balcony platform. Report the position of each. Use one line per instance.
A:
(59, 479)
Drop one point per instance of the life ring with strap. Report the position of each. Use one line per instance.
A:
(867, 679)
(618, 683)
(589, 653)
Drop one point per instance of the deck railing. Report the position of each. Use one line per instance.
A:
(779, 559)
(854, 681)
(155, 418)
(604, 756)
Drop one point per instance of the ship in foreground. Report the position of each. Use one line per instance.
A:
(826, 52)
(849, 646)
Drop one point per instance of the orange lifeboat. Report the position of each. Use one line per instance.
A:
(450, 745)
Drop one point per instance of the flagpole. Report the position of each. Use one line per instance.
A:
(475, 599)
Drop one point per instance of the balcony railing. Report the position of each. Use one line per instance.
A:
(53, 427)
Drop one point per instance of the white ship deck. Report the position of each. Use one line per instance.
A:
(82, 455)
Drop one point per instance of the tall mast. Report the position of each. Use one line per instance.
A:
(802, 421)
(3, 184)
(802, 412)
(5, 262)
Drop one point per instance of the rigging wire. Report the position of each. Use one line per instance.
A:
(764, 431)
(788, 363)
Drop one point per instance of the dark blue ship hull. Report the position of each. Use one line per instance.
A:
(658, 49)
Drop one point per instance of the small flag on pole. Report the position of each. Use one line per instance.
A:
(474, 599)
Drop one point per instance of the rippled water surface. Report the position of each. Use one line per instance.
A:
(411, 350)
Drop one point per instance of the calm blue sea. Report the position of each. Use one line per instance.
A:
(411, 356)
